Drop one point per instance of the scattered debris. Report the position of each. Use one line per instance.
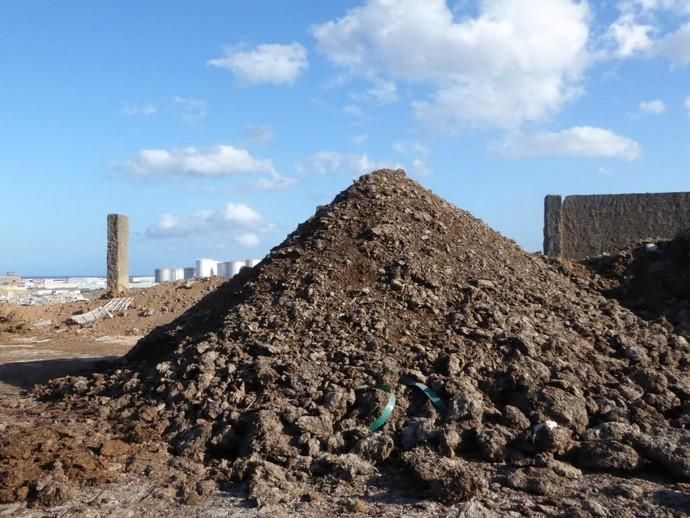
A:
(113, 306)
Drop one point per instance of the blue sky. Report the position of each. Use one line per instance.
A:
(218, 126)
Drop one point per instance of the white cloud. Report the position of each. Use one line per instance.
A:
(240, 213)
(189, 109)
(381, 91)
(238, 220)
(407, 146)
(655, 107)
(267, 63)
(353, 110)
(325, 162)
(639, 30)
(675, 46)
(145, 110)
(582, 141)
(515, 61)
(248, 239)
(274, 182)
(420, 168)
(220, 160)
(644, 6)
(629, 36)
(260, 134)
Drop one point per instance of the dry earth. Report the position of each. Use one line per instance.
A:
(548, 398)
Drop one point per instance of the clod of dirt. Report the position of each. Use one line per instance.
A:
(280, 372)
(448, 480)
(653, 281)
(12, 323)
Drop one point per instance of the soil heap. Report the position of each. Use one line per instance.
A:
(276, 377)
(651, 278)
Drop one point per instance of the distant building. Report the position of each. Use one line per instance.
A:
(11, 279)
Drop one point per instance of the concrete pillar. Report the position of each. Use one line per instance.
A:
(118, 269)
(553, 206)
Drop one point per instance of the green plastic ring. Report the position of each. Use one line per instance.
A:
(387, 410)
(433, 396)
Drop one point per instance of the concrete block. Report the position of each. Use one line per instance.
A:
(552, 225)
(583, 226)
(118, 266)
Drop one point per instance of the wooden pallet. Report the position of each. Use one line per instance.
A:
(113, 306)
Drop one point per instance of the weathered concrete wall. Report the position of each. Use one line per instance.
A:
(607, 223)
(118, 268)
(553, 205)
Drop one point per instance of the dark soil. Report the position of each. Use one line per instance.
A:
(651, 279)
(273, 379)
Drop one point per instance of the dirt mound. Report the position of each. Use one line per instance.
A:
(651, 279)
(495, 367)
(151, 308)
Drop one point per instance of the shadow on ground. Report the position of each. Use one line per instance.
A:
(25, 375)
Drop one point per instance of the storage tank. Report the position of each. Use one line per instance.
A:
(177, 274)
(189, 272)
(235, 267)
(252, 262)
(163, 274)
(206, 267)
(225, 269)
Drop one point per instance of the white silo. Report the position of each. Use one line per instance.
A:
(163, 274)
(225, 269)
(177, 274)
(235, 267)
(252, 262)
(206, 267)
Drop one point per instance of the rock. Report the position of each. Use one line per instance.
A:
(538, 481)
(449, 442)
(347, 467)
(268, 484)
(318, 426)
(51, 490)
(515, 419)
(607, 455)
(669, 449)
(356, 505)
(467, 406)
(614, 431)
(417, 432)
(560, 468)
(114, 448)
(448, 480)
(492, 441)
(375, 448)
(651, 380)
(566, 409)
(206, 487)
(547, 437)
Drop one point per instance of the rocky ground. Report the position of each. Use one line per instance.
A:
(519, 387)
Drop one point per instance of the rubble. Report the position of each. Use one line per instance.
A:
(651, 279)
(275, 377)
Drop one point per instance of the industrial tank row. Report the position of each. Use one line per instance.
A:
(204, 268)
